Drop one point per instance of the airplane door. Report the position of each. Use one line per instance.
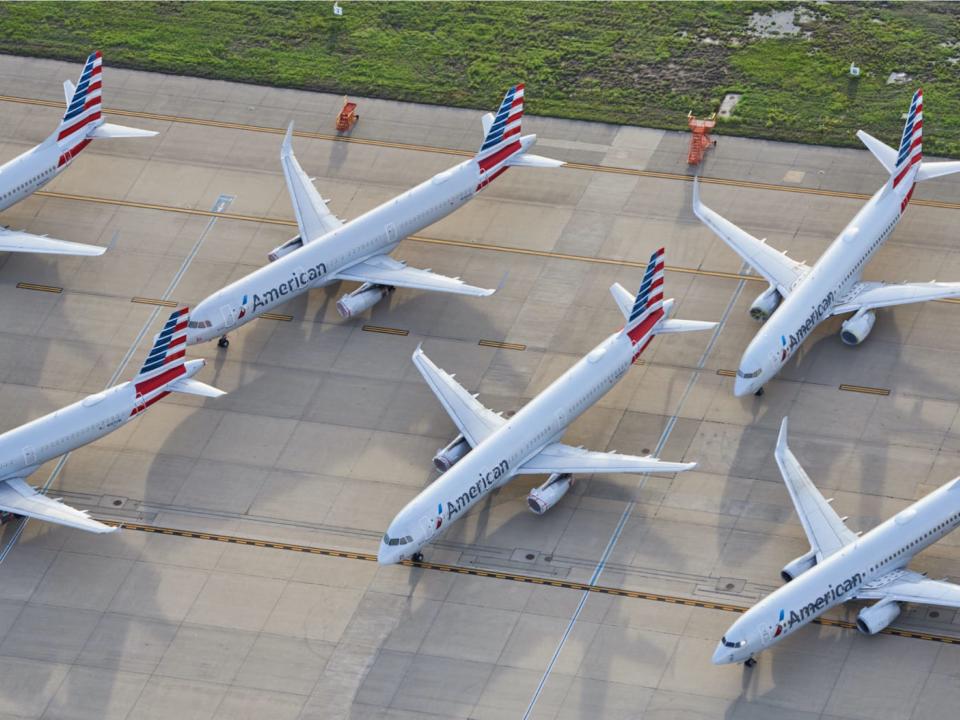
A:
(765, 634)
(391, 233)
(561, 419)
(29, 455)
(141, 405)
(229, 315)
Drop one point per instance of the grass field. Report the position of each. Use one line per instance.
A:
(636, 63)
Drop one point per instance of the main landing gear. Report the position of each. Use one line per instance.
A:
(749, 662)
(417, 557)
(223, 342)
(759, 392)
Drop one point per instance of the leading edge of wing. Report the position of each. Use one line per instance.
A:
(560, 458)
(314, 218)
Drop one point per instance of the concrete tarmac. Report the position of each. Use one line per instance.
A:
(328, 431)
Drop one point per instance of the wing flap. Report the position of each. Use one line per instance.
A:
(475, 421)
(912, 587)
(313, 216)
(561, 458)
(19, 498)
(19, 241)
(873, 295)
(824, 528)
(779, 270)
(384, 270)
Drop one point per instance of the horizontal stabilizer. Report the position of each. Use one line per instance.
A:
(19, 498)
(881, 151)
(931, 170)
(195, 387)
(535, 161)
(682, 326)
(110, 130)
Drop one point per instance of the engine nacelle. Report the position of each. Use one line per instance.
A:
(875, 618)
(855, 330)
(765, 304)
(453, 453)
(364, 297)
(797, 567)
(288, 247)
(547, 495)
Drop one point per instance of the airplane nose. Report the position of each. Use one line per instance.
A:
(741, 387)
(720, 655)
(387, 556)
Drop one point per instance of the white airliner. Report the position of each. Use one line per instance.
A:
(843, 565)
(490, 449)
(328, 250)
(24, 175)
(810, 295)
(27, 447)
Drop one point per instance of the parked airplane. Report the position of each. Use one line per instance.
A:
(328, 250)
(842, 566)
(490, 449)
(27, 447)
(24, 175)
(810, 295)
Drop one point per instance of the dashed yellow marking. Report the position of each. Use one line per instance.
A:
(154, 301)
(282, 317)
(502, 345)
(39, 288)
(385, 330)
(865, 390)
(727, 373)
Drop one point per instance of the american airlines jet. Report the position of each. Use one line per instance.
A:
(491, 449)
(806, 295)
(27, 447)
(842, 566)
(24, 175)
(328, 250)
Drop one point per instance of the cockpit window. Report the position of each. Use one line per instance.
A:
(748, 376)
(406, 540)
(199, 323)
(730, 644)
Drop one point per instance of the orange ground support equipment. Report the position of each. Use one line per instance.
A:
(701, 141)
(348, 115)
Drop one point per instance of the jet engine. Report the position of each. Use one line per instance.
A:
(875, 618)
(288, 247)
(547, 495)
(798, 566)
(765, 304)
(855, 330)
(365, 296)
(453, 453)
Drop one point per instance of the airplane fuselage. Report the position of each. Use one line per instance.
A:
(832, 277)
(883, 551)
(496, 460)
(314, 265)
(28, 172)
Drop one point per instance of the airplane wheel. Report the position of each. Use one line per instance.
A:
(223, 342)
(750, 662)
(417, 557)
(759, 392)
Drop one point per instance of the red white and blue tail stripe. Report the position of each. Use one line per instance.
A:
(165, 361)
(911, 142)
(647, 308)
(503, 137)
(83, 113)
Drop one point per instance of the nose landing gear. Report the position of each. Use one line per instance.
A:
(750, 662)
(759, 392)
(223, 342)
(417, 557)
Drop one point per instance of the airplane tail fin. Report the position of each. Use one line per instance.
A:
(166, 368)
(911, 141)
(83, 119)
(503, 146)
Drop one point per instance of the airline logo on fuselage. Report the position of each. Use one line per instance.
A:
(486, 481)
(817, 314)
(809, 611)
(299, 280)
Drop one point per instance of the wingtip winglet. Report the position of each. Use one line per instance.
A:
(782, 437)
(287, 145)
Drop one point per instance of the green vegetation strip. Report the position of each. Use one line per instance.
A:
(634, 63)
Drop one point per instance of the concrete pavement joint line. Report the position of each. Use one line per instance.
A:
(501, 575)
(221, 203)
(628, 510)
(467, 153)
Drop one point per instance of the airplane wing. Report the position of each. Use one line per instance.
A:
(873, 295)
(475, 421)
(910, 586)
(313, 216)
(19, 241)
(824, 528)
(559, 458)
(384, 270)
(779, 270)
(20, 498)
